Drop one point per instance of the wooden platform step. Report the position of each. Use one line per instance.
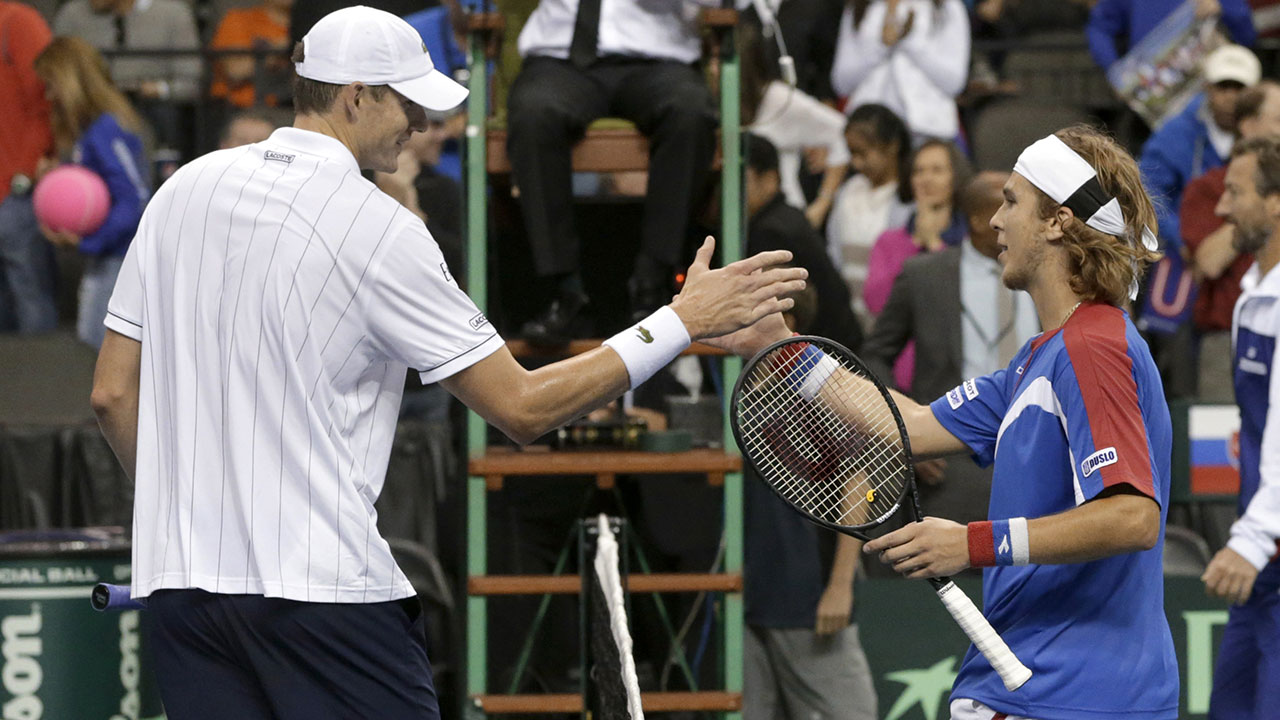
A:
(712, 701)
(498, 462)
(572, 584)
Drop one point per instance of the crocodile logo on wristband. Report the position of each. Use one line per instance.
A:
(643, 334)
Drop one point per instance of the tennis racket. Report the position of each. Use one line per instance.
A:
(106, 596)
(824, 434)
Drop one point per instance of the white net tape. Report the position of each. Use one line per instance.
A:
(606, 564)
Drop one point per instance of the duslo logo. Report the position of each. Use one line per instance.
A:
(1100, 459)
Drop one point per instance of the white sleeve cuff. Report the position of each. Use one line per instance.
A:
(1257, 553)
(128, 328)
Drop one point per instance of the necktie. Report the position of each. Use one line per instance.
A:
(586, 32)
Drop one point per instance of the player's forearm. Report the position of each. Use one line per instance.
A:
(526, 404)
(115, 396)
(119, 424)
(1105, 526)
(845, 564)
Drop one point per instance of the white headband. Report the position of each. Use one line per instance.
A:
(1072, 182)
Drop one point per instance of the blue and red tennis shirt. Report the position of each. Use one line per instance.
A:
(1078, 410)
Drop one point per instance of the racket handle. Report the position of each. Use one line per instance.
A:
(114, 597)
(984, 637)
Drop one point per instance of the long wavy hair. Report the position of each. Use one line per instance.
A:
(81, 90)
(1104, 267)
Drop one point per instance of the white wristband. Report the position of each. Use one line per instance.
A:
(1018, 538)
(817, 374)
(649, 345)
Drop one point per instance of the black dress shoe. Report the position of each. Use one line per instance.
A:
(647, 296)
(556, 325)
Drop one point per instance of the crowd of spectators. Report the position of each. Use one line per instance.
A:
(859, 160)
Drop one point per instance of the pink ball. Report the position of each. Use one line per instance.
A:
(72, 198)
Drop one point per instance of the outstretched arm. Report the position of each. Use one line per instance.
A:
(1232, 571)
(526, 404)
(1119, 520)
(835, 607)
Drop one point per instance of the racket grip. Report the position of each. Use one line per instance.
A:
(114, 597)
(984, 637)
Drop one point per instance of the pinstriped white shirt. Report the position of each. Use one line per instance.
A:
(279, 298)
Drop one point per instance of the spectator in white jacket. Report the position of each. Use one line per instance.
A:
(911, 56)
(797, 124)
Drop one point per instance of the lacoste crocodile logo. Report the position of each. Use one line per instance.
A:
(643, 334)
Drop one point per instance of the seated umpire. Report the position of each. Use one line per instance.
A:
(634, 59)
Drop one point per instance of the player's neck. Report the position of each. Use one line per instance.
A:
(320, 124)
(1054, 300)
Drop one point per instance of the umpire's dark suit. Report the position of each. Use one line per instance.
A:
(551, 103)
(924, 306)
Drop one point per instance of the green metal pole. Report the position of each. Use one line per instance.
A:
(477, 263)
(732, 244)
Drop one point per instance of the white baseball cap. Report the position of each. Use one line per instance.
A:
(1232, 63)
(363, 44)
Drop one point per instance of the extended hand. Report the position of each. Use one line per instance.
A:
(752, 339)
(932, 547)
(717, 302)
(1229, 576)
(835, 607)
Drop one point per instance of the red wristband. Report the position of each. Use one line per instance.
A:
(982, 545)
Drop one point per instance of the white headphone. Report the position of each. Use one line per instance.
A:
(769, 22)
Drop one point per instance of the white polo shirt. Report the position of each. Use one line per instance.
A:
(279, 298)
(665, 29)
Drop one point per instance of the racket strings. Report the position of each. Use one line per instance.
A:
(835, 452)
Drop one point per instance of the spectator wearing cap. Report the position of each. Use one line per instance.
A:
(1199, 138)
(278, 323)
(1211, 247)
(1191, 143)
(1117, 25)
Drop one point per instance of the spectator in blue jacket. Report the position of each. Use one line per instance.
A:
(1112, 20)
(443, 31)
(95, 126)
(1199, 138)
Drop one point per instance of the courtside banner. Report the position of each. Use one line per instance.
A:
(1214, 432)
(62, 660)
(913, 664)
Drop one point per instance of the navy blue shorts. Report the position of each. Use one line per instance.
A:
(1246, 676)
(250, 657)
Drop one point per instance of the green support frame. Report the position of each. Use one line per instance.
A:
(732, 240)
(477, 278)
(731, 243)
